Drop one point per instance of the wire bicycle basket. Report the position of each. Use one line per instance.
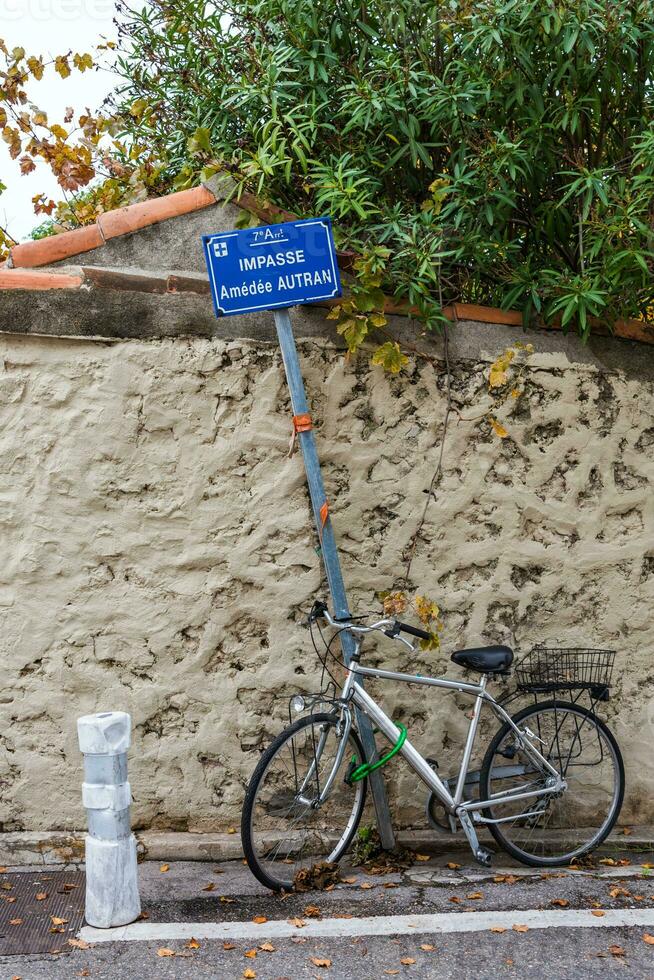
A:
(547, 669)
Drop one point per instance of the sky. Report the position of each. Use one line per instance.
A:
(51, 27)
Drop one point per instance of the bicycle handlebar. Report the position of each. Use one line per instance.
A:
(391, 627)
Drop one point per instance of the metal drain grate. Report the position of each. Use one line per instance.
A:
(30, 901)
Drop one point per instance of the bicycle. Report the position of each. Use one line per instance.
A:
(551, 783)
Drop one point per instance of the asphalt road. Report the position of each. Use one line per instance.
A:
(179, 900)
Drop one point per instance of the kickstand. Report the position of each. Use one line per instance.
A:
(480, 854)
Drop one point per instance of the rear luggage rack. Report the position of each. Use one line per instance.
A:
(566, 669)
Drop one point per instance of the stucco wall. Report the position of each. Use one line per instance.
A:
(157, 551)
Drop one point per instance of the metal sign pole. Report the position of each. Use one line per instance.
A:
(330, 554)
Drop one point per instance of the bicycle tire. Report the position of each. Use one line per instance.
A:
(250, 850)
(525, 857)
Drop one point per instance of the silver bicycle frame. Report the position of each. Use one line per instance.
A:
(454, 804)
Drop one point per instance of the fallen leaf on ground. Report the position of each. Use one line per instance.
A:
(250, 953)
(454, 898)
(616, 891)
(626, 831)
(231, 830)
(15, 922)
(506, 879)
(366, 885)
(41, 896)
(353, 881)
(561, 902)
(267, 947)
(79, 944)
(312, 912)
(597, 912)
(56, 929)
(390, 884)
(497, 929)
(192, 944)
(639, 898)
(56, 921)
(519, 928)
(259, 919)
(423, 857)
(474, 895)
(6, 886)
(317, 961)
(220, 871)
(407, 961)
(164, 951)
(322, 877)
(391, 973)
(617, 950)
(227, 901)
(298, 939)
(610, 861)
(249, 974)
(428, 948)
(164, 868)
(648, 939)
(210, 887)
(298, 923)
(229, 946)
(452, 866)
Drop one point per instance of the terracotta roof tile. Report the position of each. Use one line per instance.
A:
(20, 279)
(135, 216)
(110, 225)
(56, 247)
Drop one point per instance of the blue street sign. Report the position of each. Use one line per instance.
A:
(272, 266)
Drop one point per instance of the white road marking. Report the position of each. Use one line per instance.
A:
(377, 925)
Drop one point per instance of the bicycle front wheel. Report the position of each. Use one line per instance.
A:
(285, 825)
(553, 830)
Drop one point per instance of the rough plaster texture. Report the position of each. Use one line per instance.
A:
(157, 551)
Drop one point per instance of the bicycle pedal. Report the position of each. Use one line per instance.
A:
(482, 856)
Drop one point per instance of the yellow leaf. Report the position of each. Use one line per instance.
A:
(648, 939)
(192, 944)
(250, 953)
(59, 132)
(312, 912)
(249, 974)
(164, 951)
(474, 895)
(82, 61)
(231, 830)
(317, 961)
(561, 902)
(35, 65)
(40, 118)
(267, 947)
(298, 923)
(498, 428)
(164, 868)
(18, 54)
(259, 919)
(597, 912)
(423, 857)
(428, 948)
(497, 929)
(407, 961)
(452, 866)
(520, 928)
(516, 393)
(56, 921)
(210, 887)
(79, 944)
(41, 896)
(62, 67)
(390, 357)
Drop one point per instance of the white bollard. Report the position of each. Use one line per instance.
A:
(112, 895)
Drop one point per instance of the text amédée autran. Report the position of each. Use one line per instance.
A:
(285, 280)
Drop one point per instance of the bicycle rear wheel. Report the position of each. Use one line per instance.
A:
(283, 828)
(554, 830)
